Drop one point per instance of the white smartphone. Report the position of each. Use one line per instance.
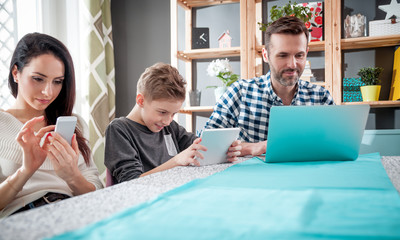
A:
(65, 126)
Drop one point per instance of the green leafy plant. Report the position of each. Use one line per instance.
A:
(299, 11)
(370, 75)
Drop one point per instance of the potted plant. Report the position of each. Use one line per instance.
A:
(296, 10)
(223, 71)
(370, 77)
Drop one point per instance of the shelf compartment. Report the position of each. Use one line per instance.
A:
(314, 47)
(189, 55)
(370, 42)
(203, 3)
(376, 104)
(190, 110)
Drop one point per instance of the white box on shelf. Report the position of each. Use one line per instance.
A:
(383, 27)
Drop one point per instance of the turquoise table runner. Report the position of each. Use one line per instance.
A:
(256, 200)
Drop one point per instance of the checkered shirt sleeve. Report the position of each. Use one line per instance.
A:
(246, 104)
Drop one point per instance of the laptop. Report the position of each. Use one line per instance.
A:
(315, 133)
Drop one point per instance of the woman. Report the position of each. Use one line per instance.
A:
(33, 173)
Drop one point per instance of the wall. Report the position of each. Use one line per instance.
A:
(142, 37)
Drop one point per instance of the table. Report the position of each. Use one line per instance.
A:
(82, 210)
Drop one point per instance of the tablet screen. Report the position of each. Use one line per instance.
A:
(217, 141)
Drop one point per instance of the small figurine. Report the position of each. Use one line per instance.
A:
(307, 74)
(225, 40)
(393, 19)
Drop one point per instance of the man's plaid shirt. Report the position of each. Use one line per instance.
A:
(247, 103)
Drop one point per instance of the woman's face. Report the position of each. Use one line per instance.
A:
(39, 82)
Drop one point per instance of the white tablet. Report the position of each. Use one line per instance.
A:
(217, 141)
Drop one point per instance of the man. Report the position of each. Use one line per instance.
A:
(247, 103)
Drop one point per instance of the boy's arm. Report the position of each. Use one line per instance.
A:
(184, 158)
(121, 155)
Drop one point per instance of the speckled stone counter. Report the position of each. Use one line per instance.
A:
(79, 211)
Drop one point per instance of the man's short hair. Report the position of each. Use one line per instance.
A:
(285, 25)
(162, 81)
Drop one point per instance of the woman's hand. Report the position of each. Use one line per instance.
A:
(234, 151)
(189, 155)
(33, 154)
(64, 157)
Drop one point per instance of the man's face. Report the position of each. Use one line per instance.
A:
(286, 57)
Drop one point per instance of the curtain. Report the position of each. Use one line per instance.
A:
(100, 75)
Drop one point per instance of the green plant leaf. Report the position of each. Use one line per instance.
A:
(370, 75)
(289, 9)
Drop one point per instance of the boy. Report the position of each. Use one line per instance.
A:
(148, 140)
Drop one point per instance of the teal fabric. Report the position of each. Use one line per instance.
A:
(256, 200)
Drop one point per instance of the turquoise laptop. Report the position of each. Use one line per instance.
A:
(315, 133)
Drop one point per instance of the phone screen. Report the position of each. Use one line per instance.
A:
(65, 126)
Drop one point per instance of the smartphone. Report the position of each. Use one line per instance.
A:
(65, 126)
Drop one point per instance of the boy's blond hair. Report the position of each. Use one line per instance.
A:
(162, 81)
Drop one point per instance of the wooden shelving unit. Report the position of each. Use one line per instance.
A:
(251, 46)
(376, 104)
(189, 55)
(250, 13)
(189, 110)
(370, 42)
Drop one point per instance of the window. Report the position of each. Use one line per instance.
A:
(8, 40)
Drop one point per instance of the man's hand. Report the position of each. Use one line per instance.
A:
(253, 149)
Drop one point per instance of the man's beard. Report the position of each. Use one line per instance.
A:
(286, 81)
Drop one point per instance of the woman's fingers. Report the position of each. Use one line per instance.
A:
(62, 151)
(74, 144)
(45, 130)
(20, 135)
(33, 122)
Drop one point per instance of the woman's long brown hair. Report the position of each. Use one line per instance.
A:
(33, 45)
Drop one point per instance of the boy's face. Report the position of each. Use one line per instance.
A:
(157, 114)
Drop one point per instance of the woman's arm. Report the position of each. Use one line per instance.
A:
(12, 186)
(33, 158)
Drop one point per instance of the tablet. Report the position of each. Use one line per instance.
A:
(217, 141)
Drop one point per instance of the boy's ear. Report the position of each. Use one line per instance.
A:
(140, 100)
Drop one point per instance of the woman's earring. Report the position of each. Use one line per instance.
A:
(15, 80)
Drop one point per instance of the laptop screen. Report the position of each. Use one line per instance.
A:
(315, 133)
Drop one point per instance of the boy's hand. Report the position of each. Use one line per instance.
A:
(189, 155)
(234, 151)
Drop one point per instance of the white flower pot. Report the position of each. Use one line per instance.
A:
(218, 92)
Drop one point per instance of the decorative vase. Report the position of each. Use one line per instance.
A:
(218, 92)
(194, 97)
(370, 93)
